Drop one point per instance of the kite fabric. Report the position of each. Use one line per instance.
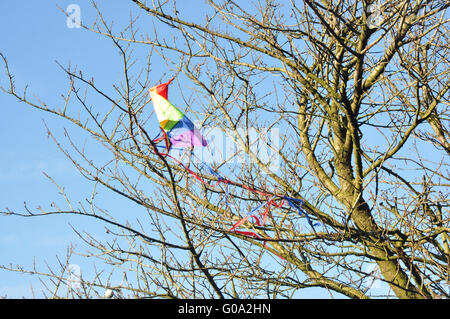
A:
(180, 130)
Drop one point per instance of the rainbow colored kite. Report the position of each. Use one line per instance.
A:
(180, 130)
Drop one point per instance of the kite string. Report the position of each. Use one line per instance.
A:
(293, 202)
(220, 179)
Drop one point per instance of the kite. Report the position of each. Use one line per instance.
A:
(180, 130)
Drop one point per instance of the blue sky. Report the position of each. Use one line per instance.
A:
(34, 36)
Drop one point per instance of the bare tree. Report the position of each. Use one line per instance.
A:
(358, 91)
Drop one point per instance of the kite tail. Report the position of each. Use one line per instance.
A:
(297, 204)
(293, 202)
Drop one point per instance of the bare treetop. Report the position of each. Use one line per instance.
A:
(341, 107)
